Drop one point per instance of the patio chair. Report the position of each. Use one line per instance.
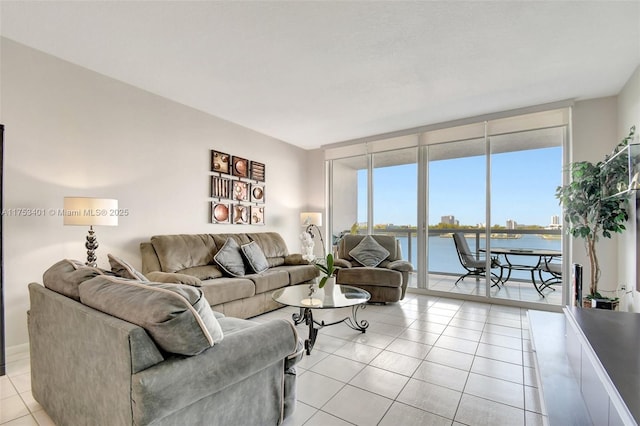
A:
(475, 266)
(552, 266)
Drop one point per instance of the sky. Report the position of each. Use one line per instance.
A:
(523, 185)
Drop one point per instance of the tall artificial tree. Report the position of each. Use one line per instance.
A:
(589, 213)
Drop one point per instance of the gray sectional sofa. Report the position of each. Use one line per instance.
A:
(108, 350)
(189, 257)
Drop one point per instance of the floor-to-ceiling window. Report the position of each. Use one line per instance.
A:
(525, 172)
(395, 185)
(494, 177)
(457, 203)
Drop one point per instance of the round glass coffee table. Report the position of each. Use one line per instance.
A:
(308, 297)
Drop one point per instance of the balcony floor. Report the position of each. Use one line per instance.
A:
(515, 290)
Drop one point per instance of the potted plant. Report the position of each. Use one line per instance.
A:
(589, 214)
(328, 269)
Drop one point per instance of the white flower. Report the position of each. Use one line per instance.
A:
(307, 247)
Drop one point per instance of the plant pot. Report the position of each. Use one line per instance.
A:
(611, 305)
(329, 285)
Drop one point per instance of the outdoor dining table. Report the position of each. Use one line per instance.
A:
(511, 264)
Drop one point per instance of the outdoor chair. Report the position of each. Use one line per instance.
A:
(553, 267)
(475, 265)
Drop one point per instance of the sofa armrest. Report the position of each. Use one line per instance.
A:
(73, 347)
(341, 263)
(400, 265)
(295, 259)
(238, 356)
(174, 278)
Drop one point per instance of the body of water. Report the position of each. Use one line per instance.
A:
(444, 258)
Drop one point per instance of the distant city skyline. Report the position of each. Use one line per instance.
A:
(523, 185)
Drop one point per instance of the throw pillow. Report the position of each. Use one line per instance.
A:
(230, 259)
(65, 276)
(177, 317)
(123, 269)
(255, 257)
(368, 252)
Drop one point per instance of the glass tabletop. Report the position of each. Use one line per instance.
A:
(524, 251)
(299, 296)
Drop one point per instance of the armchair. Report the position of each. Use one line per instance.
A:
(387, 274)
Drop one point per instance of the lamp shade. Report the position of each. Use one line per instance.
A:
(311, 218)
(88, 211)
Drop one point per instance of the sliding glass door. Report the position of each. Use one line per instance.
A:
(456, 204)
(492, 183)
(526, 169)
(394, 201)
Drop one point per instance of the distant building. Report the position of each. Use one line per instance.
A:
(555, 222)
(511, 224)
(449, 220)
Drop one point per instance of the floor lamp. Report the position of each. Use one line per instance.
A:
(312, 221)
(86, 211)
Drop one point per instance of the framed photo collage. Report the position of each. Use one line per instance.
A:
(238, 190)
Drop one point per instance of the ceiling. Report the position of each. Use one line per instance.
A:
(316, 73)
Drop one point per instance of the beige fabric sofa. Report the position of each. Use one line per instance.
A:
(386, 282)
(181, 258)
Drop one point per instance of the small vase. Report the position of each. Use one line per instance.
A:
(329, 288)
(330, 284)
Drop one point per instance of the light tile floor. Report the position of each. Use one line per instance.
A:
(424, 361)
(516, 290)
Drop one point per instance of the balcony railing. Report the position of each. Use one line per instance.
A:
(410, 234)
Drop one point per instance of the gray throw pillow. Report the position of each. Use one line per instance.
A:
(177, 317)
(65, 276)
(230, 259)
(255, 257)
(124, 269)
(369, 252)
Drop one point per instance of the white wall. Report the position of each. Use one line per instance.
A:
(594, 135)
(316, 178)
(73, 132)
(629, 115)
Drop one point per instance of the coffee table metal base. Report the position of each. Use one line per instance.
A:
(306, 315)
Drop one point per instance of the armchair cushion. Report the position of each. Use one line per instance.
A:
(177, 317)
(368, 252)
(230, 259)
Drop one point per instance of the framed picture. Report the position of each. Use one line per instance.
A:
(240, 190)
(220, 213)
(257, 171)
(240, 214)
(239, 166)
(257, 193)
(220, 187)
(257, 215)
(220, 162)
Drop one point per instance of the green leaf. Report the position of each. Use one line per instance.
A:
(323, 281)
